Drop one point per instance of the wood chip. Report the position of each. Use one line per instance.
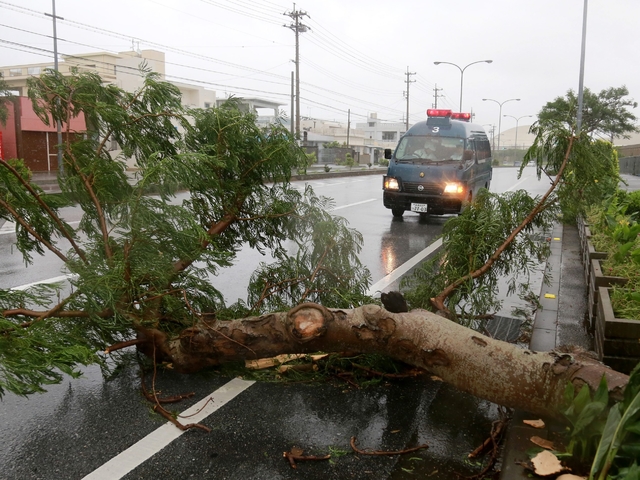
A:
(279, 360)
(534, 423)
(570, 476)
(542, 442)
(546, 463)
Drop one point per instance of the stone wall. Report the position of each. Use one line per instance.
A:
(630, 165)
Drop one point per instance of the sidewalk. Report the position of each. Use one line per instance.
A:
(561, 321)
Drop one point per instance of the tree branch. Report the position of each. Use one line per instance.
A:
(31, 230)
(438, 300)
(47, 209)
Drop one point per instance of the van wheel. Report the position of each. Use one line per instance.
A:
(397, 212)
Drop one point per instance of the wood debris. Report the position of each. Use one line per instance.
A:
(534, 423)
(263, 363)
(546, 463)
(542, 442)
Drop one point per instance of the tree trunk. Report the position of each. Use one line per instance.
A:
(491, 369)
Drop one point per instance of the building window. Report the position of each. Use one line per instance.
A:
(372, 124)
(15, 72)
(207, 105)
(388, 136)
(34, 70)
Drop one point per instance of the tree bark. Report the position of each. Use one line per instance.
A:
(500, 372)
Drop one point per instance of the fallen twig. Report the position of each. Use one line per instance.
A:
(296, 455)
(481, 448)
(382, 452)
(153, 397)
(497, 428)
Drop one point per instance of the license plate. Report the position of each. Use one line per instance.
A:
(419, 207)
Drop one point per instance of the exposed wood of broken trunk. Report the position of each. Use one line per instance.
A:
(497, 371)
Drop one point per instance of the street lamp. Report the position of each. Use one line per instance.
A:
(462, 73)
(517, 120)
(500, 116)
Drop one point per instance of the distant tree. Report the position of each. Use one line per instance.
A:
(349, 161)
(605, 115)
(333, 144)
(5, 97)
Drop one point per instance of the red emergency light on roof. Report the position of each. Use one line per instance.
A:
(461, 116)
(436, 112)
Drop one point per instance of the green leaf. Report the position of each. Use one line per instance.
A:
(606, 441)
(602, 393)
(587, 416)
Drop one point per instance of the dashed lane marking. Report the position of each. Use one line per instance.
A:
(353, 204)
(383, 283)
(139, 452)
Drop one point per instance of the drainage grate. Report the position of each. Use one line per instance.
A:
(506, 329)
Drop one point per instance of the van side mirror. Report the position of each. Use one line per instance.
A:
(467, 155)
(387, 153)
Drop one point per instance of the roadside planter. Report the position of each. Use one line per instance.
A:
(617, 340)
(587, 250)
(595, 280)
(589, 253)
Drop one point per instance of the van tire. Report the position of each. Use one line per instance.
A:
(397, 212)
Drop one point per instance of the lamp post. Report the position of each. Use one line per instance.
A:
(500, 115)
(517, 120)
(462, 73)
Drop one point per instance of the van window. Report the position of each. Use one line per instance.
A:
(435, 149)
(483, 149)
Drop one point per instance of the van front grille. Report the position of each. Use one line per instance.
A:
(427, 188)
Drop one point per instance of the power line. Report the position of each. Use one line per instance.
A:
(189, 54)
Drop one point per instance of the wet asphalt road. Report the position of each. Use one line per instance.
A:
(76, 427)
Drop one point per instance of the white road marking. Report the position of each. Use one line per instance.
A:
(139, 452)
(513, 187)
(383, 283)
(10, 227)
(61, 278)
(353, 204)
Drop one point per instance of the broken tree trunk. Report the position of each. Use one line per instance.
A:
(491, 369)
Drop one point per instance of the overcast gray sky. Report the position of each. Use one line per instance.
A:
(357, 52)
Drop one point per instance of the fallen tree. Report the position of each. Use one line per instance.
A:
(143, 266)
(497, 371)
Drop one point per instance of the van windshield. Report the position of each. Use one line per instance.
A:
(428, 148)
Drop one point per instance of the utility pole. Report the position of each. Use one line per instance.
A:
(292, 101)
(348, 125)
(408, 82)
(298, 28)
(436, 96)
(55, 66)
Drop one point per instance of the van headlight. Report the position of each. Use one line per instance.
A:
(453, 188)
(391, 183)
